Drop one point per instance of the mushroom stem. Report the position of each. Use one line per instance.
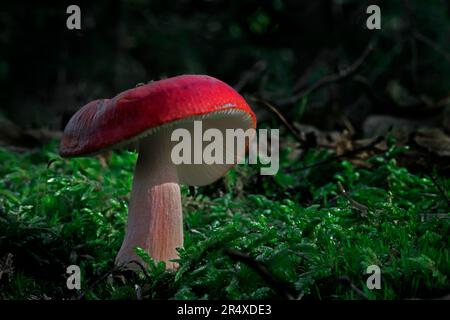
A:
(155, 219)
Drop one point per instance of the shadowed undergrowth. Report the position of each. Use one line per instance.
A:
(300, 226)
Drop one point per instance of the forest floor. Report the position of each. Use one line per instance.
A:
(309, 232)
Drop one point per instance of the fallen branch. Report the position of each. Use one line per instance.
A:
(262, 271)
(330, 79)
(280, 116)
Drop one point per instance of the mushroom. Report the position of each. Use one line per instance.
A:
(146, 116)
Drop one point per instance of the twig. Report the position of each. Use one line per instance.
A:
(95, 283)
(114, 269)
(259, 67)
(139, 264)
(346, 280)
(280, 116)
(262, 271)
(302, 80)
(433, 45)
(362, 208)
(344, 155)
(303, 141)
(329, 79)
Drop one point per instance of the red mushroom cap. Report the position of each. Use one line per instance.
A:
(105, 123)
(109, 123)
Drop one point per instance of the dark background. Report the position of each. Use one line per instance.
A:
(270, 49)
(311, 60)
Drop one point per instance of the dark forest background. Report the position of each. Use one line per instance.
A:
(278, 50)
(364, 119)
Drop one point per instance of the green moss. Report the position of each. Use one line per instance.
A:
(296, 224)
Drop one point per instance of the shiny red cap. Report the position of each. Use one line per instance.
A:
(106, 123)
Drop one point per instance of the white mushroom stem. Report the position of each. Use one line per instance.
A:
(155, 220)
